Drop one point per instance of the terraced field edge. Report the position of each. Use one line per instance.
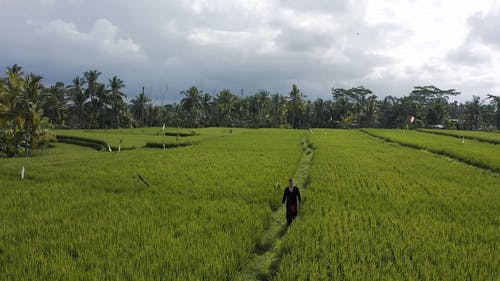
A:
(480, 139)
(477, 164)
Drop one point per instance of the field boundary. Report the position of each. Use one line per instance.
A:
(264, 261)
(480, 139)
(82, 141)
(168, 145)
(100, 145)
(464, 160)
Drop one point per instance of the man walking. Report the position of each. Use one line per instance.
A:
(292, 198)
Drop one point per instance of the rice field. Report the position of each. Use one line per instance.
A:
(378, 211)
(136, 138)
(481, 154)
(491, 137)
(372, 209)
(82, 214)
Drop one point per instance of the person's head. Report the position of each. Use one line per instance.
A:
(290, 182)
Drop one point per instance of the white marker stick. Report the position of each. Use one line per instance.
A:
(22, 172)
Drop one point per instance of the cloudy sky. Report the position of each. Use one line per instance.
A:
(388, 46)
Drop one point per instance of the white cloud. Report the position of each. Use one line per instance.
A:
(103, 35)
(256, 41)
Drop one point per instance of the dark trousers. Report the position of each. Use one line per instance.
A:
(291, 213)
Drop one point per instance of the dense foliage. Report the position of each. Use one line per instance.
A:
(28, 108)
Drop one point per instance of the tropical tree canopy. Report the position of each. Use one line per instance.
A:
(28, 108)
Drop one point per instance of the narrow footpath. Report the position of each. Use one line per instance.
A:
(264, 262)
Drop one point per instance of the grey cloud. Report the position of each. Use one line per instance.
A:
(483, 32)
(486, 28)
(465, 54)
(211, 44)
(301, 41)
(320, 5)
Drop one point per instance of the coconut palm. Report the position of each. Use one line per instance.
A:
(55, 106)
(99, 106)
(116, 98)
(192, 105)
(295, 107)
(77, 96)
(472, 111)
(3, 106)
(139, 108)
(495, 105)
(13, 88)
(91, 77)
(91, 92)
(31, 109)
(225, 106)
(277, 110)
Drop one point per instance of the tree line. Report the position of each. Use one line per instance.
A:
(29, 109)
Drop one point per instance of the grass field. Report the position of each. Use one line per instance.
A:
(372, 209)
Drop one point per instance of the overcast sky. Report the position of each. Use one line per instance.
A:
(386, 46)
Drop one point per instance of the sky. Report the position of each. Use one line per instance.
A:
(167, 46)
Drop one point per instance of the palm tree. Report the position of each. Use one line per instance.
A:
(116, 98)
(295, 107)
(13, 88)
(369, 111)
(31, 105)
(192, 105)
(3, 106)
(206, 104)
(55, 105)
(342, 105)
(78, 97)
(99, 105)
(472, 111)
(139, 107)
(258, 107)
(90, 92)
(277, 109)
(91, 77)
(495, 104)
(225, 103)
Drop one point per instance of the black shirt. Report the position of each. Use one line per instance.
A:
(291, 197)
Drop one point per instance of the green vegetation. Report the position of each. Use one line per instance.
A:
(378, 211)
(28, 108)
(134, 138)
(371, 209)
(262, 264)
(484, 155)
(490, 137)
(83, 214)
